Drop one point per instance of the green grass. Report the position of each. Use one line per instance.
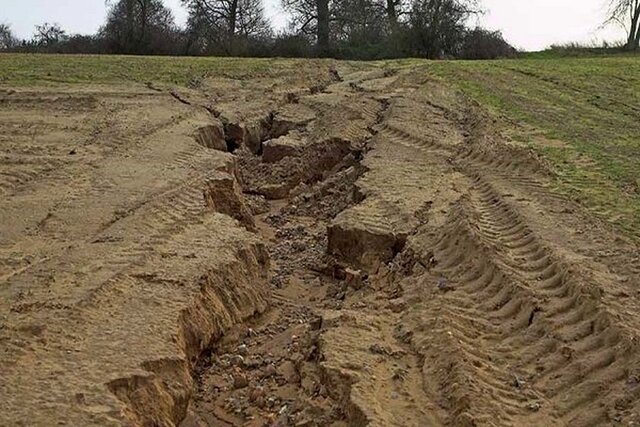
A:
(588, 107)
(38, 69)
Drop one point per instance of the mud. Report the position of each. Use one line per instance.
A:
(370, 250)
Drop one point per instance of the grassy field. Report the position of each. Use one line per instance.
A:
(37, 69)
(583, 113)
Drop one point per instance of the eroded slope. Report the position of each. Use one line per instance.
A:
(355, 250)
(433, 278)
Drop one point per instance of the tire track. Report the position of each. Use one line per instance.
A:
(515, 332)
(572, 310)
(516, 302)
(470, 324)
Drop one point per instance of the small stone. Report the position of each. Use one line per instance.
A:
(237, 360)
(217, 382)
(517, 382)
(353, 278)
(397, 305)
(378, 349)
(269, 371)
(243, 349)
(534, 407)
(240, 380)
(252, 363)
(288, 371)
(271, 402)
(256, 394)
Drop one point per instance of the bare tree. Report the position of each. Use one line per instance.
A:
(226, 23)
(49, 35)
(359, 22)
(7, 39)
(394, 11)
(139, 26)
(627, 14)
(438, 26)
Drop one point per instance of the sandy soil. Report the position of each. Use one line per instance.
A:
(369, 251)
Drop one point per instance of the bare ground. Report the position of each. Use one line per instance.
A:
(372, 252)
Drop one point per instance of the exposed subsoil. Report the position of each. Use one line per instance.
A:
(430, 278)
(366, 250)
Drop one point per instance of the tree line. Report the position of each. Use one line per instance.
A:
(355, 29)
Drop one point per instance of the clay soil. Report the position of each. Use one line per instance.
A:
(348, 246)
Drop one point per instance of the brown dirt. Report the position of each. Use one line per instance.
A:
(373, 252)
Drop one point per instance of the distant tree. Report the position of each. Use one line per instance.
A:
(627, 14)
(358, 22)
(393, 12)
(484, 44)
(393, 9)
(358, 28)
(49, 35)
(7, 39)
(226, 26)
(437, 27)
(353, 24)
(291, 46)
(140, 27)
(78, 43)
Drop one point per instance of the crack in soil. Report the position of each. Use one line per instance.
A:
(269, 371)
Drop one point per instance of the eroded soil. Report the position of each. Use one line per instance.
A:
(304, 251)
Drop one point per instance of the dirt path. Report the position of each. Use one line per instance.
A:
(362, 251)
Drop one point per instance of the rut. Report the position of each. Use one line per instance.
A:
(520, 330)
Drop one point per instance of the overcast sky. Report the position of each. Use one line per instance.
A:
(527, 24)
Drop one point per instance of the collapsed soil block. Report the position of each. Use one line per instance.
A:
(275, 150)
(249, 133)
(223, 194)
(363, 245)
(211, 136)
(291, 117)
